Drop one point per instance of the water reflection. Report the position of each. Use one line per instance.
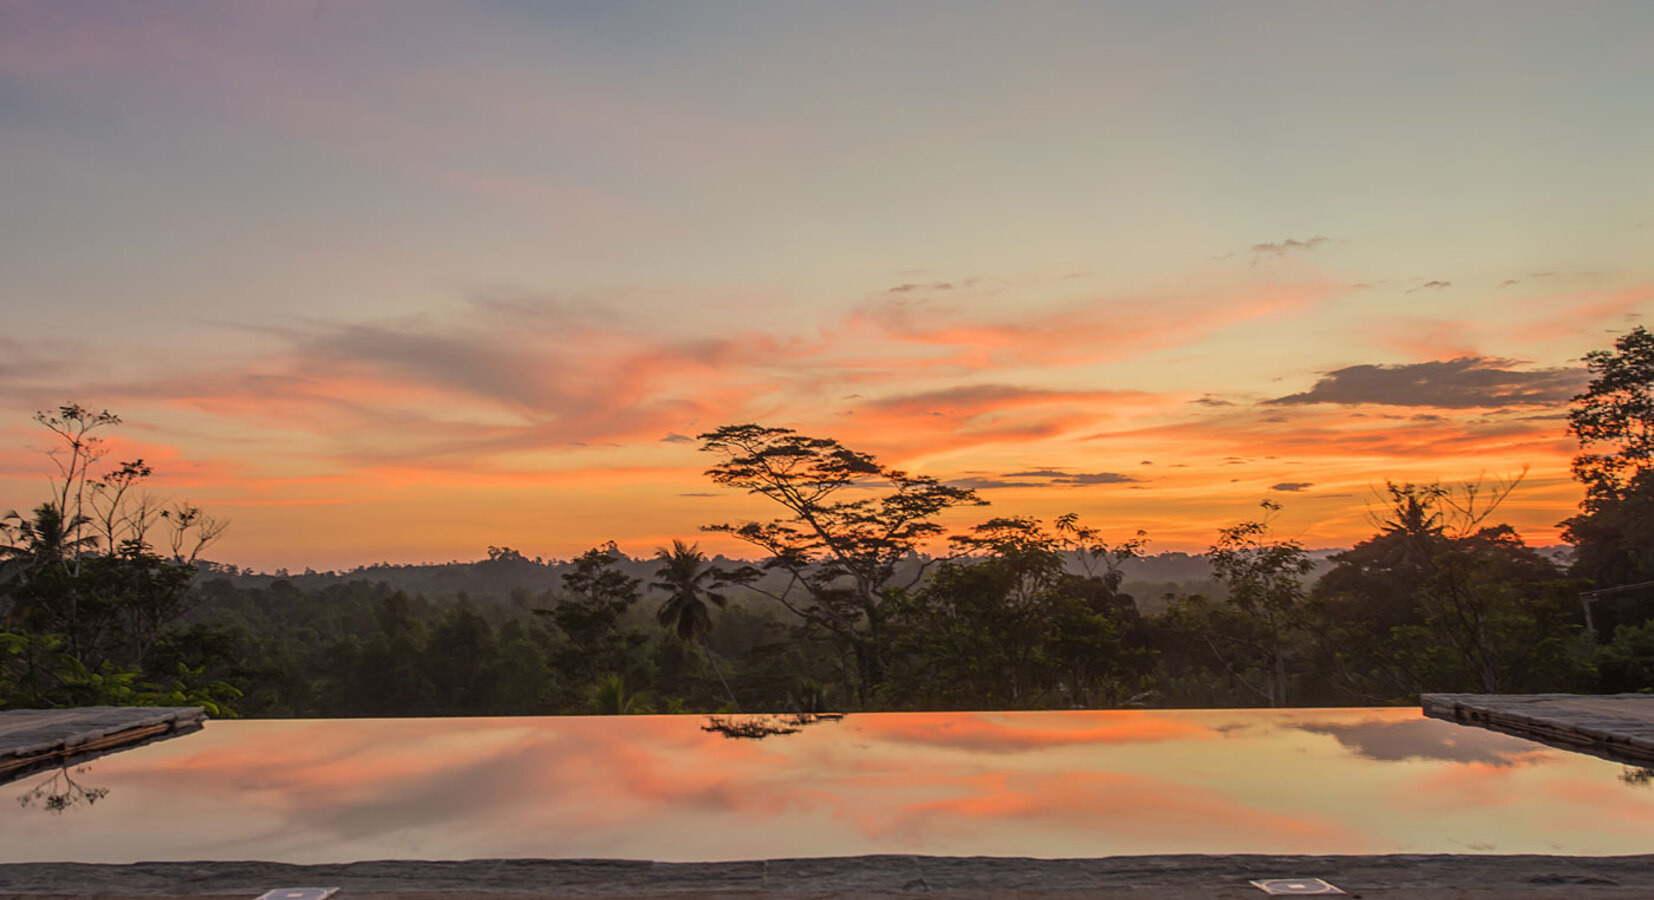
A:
(1390, 741)
(1004, 784)
(1637, 777)
(758, 727)
(61, 792)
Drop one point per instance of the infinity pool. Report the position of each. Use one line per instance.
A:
(1059, 784)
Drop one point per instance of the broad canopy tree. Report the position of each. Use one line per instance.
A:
(1613, 534)
(842, 552)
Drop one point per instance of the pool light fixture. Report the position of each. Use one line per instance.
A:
(299, 893)
(1282, 887)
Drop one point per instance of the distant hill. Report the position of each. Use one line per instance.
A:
(1152, 580)
(1149, 579)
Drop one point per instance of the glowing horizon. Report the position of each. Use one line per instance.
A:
(400, 283)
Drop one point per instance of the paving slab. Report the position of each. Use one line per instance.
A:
(1225, 877)
(35, 739)
(897, 873)
(1616, 727)
(698, 878)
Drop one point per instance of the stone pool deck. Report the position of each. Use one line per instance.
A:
(36, 739)
(1615, 727)
(1422, 877)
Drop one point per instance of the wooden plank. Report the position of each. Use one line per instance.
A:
(36, 739)
(1616, 727)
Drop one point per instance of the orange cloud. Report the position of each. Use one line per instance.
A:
(529, 393)
(1163, 815)
(987, 732)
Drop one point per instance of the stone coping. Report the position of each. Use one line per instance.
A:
(35, 739)
(1615, 727)
(1424, 876)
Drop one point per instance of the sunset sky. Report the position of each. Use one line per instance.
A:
(396, 281)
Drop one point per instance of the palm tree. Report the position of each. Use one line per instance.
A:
(691, 584)
(32, 544)
(610, 698)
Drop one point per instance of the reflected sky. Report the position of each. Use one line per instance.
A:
(1049, 784)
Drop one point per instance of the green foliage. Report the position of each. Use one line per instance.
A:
(1265, 616)
(1614, 422)
(1626, 663)
(611, 698)
(591, 614)
(1435, 602)
(1019, 615)
(1614, 418)
(37, 673)
(691, 586)
(1010, 628)
(1613, 535)
(84, 594)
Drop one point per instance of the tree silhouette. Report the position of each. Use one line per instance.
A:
(691, 584)
(81, 585)
(1265, 580)
(843, 554)
(1616, 413)
(1614, 422)
(32, 544)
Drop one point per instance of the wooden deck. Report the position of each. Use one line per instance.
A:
(36, 739)
(1617, 727)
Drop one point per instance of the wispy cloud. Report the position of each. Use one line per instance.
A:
(970, 401)
(1048, 477)
(1426, 337)
(1576, 312)
(1278, 249)
(908, 287)
(977, 337)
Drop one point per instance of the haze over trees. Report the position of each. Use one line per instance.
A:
(859, 600)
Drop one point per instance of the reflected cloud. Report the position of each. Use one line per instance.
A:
(1059, 784)
(1470, 785)
(1139, 809)
(1426, 739)
(988, 733)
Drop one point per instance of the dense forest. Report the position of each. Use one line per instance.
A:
(848, 604)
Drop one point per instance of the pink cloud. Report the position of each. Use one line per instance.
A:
(1423, 338)
(1104, 329)
(1578, 312)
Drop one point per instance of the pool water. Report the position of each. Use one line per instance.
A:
(1045, 784)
